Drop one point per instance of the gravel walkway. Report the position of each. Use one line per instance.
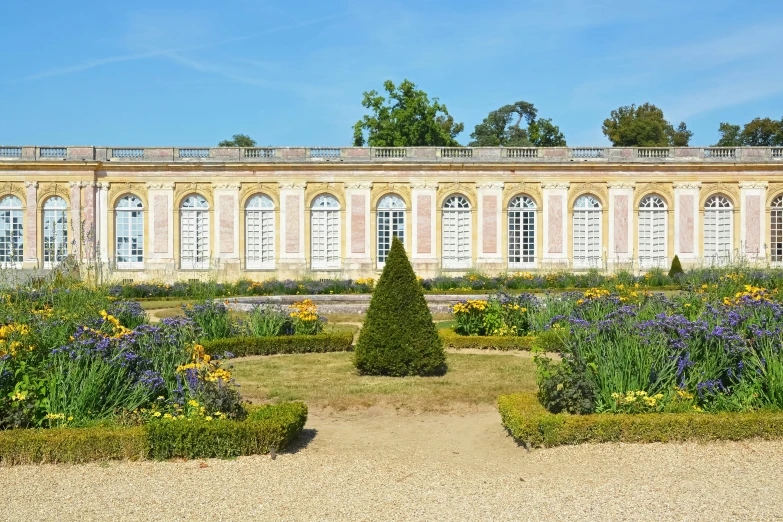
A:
(382, 466)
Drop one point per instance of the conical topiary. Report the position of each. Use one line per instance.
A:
(676, 268)
(398, 337)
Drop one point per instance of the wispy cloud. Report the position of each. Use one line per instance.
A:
(156, 53)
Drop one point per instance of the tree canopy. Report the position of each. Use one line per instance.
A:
(405, 118)
(644, 126)
(759, 132)
(500, 129)
(238, 140)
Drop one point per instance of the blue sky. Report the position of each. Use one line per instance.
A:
(292, 73)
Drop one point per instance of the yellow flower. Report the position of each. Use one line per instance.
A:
(70, 418)
(156, 414)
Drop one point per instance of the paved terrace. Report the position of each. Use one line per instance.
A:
(392, 154)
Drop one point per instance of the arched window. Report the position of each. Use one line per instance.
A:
(717, 229)
(521, 232)
(11, 232)
(194, 233)
(587, 232)
(456, 230)
(391, 223)
(325, 232)
(55, 231)
(129, 220)
(652, 232)
(260, 232)
(776, 230)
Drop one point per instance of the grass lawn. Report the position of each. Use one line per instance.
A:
(329, 380)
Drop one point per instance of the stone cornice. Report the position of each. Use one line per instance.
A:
(359, 185)
(687, 184)
(291, 185)
(160, 186)
(432, 185)
(226, 186)
(489, 185)
(621, 184)
(753, 184)
(555, 185)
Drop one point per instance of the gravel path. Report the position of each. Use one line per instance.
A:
(382, 466)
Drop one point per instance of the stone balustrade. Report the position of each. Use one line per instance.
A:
(385, 154)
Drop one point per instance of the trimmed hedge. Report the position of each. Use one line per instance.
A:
(72, 445)
(320, 343)
(271, 426)
(529, 423)
(452, 339)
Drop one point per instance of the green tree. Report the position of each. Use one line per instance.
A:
(499, 128)
(759, 132)
(238, 140)
(398, 337)
(763, 132)
(644, 126)
(676, 268)
(406, 119)
(730, 135)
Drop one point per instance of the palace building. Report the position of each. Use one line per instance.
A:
(293, 212)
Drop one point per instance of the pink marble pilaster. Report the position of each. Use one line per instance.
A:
(31, 224)
(621, 224)
(75, 239)
(161, 224)
(686, 224)
(424, 224)
(88, 207)
(555, 225)
(752, 224)
(226, 220)
(292, 209)
(358, 223)
(490, 226)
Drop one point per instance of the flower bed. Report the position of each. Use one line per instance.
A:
(530, 424)
(266, 428)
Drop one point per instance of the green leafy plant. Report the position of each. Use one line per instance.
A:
(399, 337)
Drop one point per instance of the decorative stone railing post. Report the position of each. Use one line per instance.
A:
(490, 198)
(357, 226)
(89, 229)
(555, 224)
(424, 257)
(686, 220)
(31, 225)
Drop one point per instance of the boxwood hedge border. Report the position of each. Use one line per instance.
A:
(530, 424)
(455, 341)
(339, 341)
(266, 428)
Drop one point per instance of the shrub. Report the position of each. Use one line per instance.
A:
(242, 346)
(564, 387)
(270, 427)
(266, 321)
(212, 317)
(72, 445)
(452, 339)
(676, 269)
(528, 422)
(399, 337)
